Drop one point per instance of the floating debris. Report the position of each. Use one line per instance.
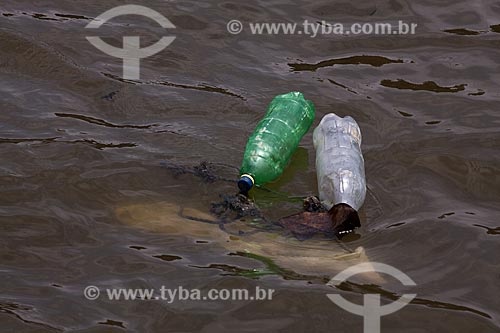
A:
(463, 32)
(427, 85)
(495, 28)
(167, 257)
(376, 61)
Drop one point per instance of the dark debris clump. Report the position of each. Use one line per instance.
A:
(313, 204)
(235, 207)
(204, 170)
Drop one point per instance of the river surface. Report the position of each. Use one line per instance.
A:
(79, 145)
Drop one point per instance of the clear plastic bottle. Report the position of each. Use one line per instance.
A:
(340, 165)
(275, 138)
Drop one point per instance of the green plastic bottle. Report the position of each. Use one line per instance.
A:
(275, 138)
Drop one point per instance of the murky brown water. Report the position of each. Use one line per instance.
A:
(78, 144)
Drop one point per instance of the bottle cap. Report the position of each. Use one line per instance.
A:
(245, 183)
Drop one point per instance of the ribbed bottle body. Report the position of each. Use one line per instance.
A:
(339, 162)
(276, 137)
